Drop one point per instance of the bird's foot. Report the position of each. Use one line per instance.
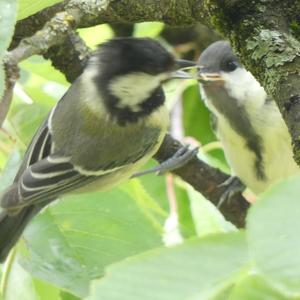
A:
(231, 186)
(179, 159)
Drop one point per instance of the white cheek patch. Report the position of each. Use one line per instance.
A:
(132, 89)
(88, 91)
(242, 85)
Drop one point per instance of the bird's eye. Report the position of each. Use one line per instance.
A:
(231, 65)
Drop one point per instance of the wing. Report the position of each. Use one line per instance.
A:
(44, 180)
(38, 148)
(42, 174)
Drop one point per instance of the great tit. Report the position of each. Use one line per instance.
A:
(246, 120)
(108, 124)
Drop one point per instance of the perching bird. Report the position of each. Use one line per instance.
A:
(246, 120)
(108, 124)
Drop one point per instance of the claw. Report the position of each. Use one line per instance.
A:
(179, 159)
(233, 186)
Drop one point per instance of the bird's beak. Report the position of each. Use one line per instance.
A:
(205, 77)
(182, 65)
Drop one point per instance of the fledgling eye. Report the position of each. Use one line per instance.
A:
(231, 65)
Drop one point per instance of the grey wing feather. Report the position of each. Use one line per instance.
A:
(44, 180)
(39, 148)
(42, 175)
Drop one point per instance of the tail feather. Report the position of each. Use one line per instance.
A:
(12, 227)
(14, 219)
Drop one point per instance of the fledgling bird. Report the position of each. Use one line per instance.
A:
(108, 124)
(246, 120)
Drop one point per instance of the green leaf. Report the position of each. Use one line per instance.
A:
(254, 287)
(148, 29)
(29, 7)
(273, 235)
(20, 285)
(196, 116)
(189, 271)
(206, 216)
(197, 124)
(73, 241)
(156, 188)
(46, 290)
(67, 296)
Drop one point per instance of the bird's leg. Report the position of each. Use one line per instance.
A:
(179, 159)
(232, 186)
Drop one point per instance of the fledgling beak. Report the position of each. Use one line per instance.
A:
(182, 65)
(204, 77)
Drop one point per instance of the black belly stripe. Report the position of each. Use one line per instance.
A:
(239, 121)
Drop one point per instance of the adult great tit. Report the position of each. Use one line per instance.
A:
(246, 120)
(108, 124)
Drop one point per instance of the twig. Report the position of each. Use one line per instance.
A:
(53, 33)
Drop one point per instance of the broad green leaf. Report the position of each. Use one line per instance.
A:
(187, 224)
(46, 291)
(67, 296)
(156, 188)
(196, 122)
(220, 294)
(206, 216)
(73, 241)
(148, 29)
(189, 271)
(273, 235)
(20, 285)
(29, 7)
(254, 287)
(196, 116)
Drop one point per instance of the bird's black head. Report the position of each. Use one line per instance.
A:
(128, 73)
(218, 57)
(121, 56)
